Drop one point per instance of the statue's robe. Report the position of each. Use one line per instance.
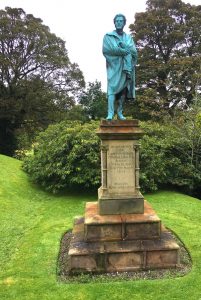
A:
(116, 63)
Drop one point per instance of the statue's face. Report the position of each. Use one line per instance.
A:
(119, 23)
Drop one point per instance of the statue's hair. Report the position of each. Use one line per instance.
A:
(120, 15)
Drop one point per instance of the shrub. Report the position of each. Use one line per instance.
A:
(171, 154)
(66, 155)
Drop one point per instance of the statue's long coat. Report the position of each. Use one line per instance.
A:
(116, 78)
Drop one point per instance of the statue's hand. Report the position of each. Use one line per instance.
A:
(122, 45)
(124, 48)
(125, 51)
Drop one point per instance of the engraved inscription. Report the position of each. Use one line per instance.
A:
(121, 161)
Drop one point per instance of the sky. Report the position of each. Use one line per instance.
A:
(82, 25)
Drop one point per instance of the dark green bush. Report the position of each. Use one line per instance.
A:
(171, 155)
(68, 155)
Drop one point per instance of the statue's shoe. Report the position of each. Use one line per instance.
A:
(109, 117)
(121, 117)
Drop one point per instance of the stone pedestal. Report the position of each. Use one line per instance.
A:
(120, 191)
(120, 243)
(120, 227)
(120, 232)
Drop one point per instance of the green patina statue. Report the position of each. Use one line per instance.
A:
(121, 57)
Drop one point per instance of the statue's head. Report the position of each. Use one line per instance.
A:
(120, 16)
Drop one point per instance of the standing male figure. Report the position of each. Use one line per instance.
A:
(121, 57)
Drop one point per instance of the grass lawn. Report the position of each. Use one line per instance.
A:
(32, 223)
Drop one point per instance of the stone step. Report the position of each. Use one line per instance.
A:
(120, 227)
(119, 256)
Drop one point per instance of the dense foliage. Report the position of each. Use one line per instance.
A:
(93, 101)
(37, 79)
(65, 155)
(169, 49)
(68, 154)
(169, 157)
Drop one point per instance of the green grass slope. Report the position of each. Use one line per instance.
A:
(33, 221)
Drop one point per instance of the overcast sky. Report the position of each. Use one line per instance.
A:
(82, 24)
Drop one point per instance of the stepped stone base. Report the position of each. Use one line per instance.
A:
(120, 227)
(120, 232)
(120, 243)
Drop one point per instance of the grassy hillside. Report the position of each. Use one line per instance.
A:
(33, 221)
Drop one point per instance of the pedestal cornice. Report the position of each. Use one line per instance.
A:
(120, 130)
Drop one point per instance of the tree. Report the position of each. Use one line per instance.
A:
(188, 125)
(169, 44)
(36, 75)
(94, 101)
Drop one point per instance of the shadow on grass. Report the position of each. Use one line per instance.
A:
(74, 191)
